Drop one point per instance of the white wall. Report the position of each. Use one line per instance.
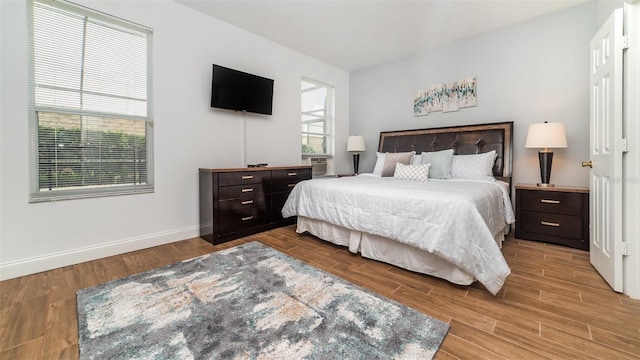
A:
(605, 8)
(188, 134)
(526, 73)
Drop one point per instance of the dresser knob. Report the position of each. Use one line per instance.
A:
(587, 164)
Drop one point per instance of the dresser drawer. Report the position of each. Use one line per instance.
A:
(241, 203)
(566, 226)
(566, 203)
(291, 175)
(243, 177)
(248, 190)
(283, 186)
(277, 203)
(233, 221)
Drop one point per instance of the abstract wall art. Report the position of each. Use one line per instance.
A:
(445, 97)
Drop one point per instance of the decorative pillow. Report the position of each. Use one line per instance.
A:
(476, 166)
(440, 163)
(412, 172)
(391, 159)
(416, 159)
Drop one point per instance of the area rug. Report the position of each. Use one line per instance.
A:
(248, 302)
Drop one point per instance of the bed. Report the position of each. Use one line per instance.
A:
(450, 224)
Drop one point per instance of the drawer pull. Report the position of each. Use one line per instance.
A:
(247, 177)
(550, 201)
(247, 218)
(291, 185)
(546, 223)
(247, 190)
(247, 202)
(292, 174)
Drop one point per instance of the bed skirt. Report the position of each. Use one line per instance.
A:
(388, 250)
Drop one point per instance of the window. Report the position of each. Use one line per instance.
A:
(317, 118)
(89, 104)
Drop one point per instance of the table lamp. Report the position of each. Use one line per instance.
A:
(355, 145)
(546, 136)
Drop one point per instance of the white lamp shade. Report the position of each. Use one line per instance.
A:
(356, 144)
(546, 135)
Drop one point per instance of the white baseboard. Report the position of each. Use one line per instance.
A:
(38, 264)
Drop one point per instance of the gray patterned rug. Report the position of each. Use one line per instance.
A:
(248, 302)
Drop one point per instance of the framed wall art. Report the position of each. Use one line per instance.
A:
(445, 97)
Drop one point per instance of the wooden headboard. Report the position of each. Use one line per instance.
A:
(464, 140)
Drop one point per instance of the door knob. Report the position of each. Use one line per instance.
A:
(589, 164)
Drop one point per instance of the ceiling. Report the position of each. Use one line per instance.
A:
(355, 34)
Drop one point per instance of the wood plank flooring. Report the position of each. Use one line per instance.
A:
(553, 306)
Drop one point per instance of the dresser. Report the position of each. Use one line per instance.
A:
(237, 202)
(558, 215)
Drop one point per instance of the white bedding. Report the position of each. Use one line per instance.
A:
(453, 219)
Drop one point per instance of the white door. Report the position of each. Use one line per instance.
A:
(606, 151)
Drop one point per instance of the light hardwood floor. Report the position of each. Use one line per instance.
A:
(553, 305)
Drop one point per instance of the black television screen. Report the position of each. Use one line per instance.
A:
(240, 91)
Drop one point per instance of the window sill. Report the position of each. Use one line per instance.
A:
(317, 156)
(59, 195)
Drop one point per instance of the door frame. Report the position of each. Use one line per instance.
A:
(631, 159)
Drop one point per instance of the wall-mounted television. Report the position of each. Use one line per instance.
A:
(241, 91)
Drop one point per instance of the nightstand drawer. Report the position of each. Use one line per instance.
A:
(566, 226)
(552, 202)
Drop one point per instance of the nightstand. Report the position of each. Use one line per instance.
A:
(558, 215)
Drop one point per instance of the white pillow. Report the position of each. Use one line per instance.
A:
(377, 170)
(412, 172)
(476, 166)
(416, 159)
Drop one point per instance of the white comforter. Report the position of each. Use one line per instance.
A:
(453, 219)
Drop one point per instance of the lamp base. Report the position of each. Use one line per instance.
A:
(545, 158)
(545, 185)
(356, 161)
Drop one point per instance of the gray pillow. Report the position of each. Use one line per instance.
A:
(440, 163)
(391, 159)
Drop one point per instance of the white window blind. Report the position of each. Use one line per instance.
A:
(317, 118)
(90, 103)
